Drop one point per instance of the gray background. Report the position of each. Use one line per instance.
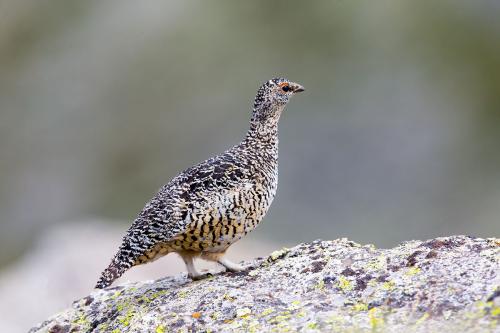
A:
(396, 137)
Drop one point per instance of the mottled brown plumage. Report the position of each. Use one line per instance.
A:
(208, 207)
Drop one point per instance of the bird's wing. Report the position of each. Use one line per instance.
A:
(210, 185)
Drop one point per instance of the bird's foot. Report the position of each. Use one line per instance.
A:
(200, 276)
(233, 267)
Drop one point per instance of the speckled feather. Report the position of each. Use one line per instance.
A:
(209, 206)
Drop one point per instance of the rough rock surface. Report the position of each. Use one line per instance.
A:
(448, 284)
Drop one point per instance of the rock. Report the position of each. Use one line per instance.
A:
(61, 266)
(447, 284)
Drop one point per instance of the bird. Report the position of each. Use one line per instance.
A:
(208, 207)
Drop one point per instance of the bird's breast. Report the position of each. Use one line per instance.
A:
(230, 214)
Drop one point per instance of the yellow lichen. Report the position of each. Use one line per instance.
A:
(125, 320)
(312, 326)
(376, 320)
(267, 311)
(280, 318)
(253, 327)
(160, 329)
(388, 285)
(360, 307)
(294, 306)
(182, 294)
(120, 306)
(412, 271)
(335, 320)
(378, 263)
(320, 285)
(81, 320)
(243, 312)
(344, 284)
(102, 327)
(301, 314)
(145, 299)
(422, 319)
(253, 273)
(279, 253)
(283, 327)
(495, 311)
(115, 295)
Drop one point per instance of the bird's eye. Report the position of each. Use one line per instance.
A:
(285, 88)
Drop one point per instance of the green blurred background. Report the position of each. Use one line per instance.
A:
(397, 136)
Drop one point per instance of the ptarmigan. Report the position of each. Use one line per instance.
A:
(209, 206)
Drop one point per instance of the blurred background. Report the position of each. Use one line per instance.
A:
(101, 102)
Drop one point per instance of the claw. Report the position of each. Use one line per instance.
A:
(231, 266)
(200, 276)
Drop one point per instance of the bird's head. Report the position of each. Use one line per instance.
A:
(272, 98)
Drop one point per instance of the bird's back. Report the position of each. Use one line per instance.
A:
(209, 206)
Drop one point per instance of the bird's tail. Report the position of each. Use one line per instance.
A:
(122, 261)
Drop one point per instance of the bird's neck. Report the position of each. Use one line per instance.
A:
(263, 136)
(263, 132)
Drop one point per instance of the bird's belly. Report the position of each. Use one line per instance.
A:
(220, 227)
(214, 237)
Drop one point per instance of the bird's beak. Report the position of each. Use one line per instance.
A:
(296, 88)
